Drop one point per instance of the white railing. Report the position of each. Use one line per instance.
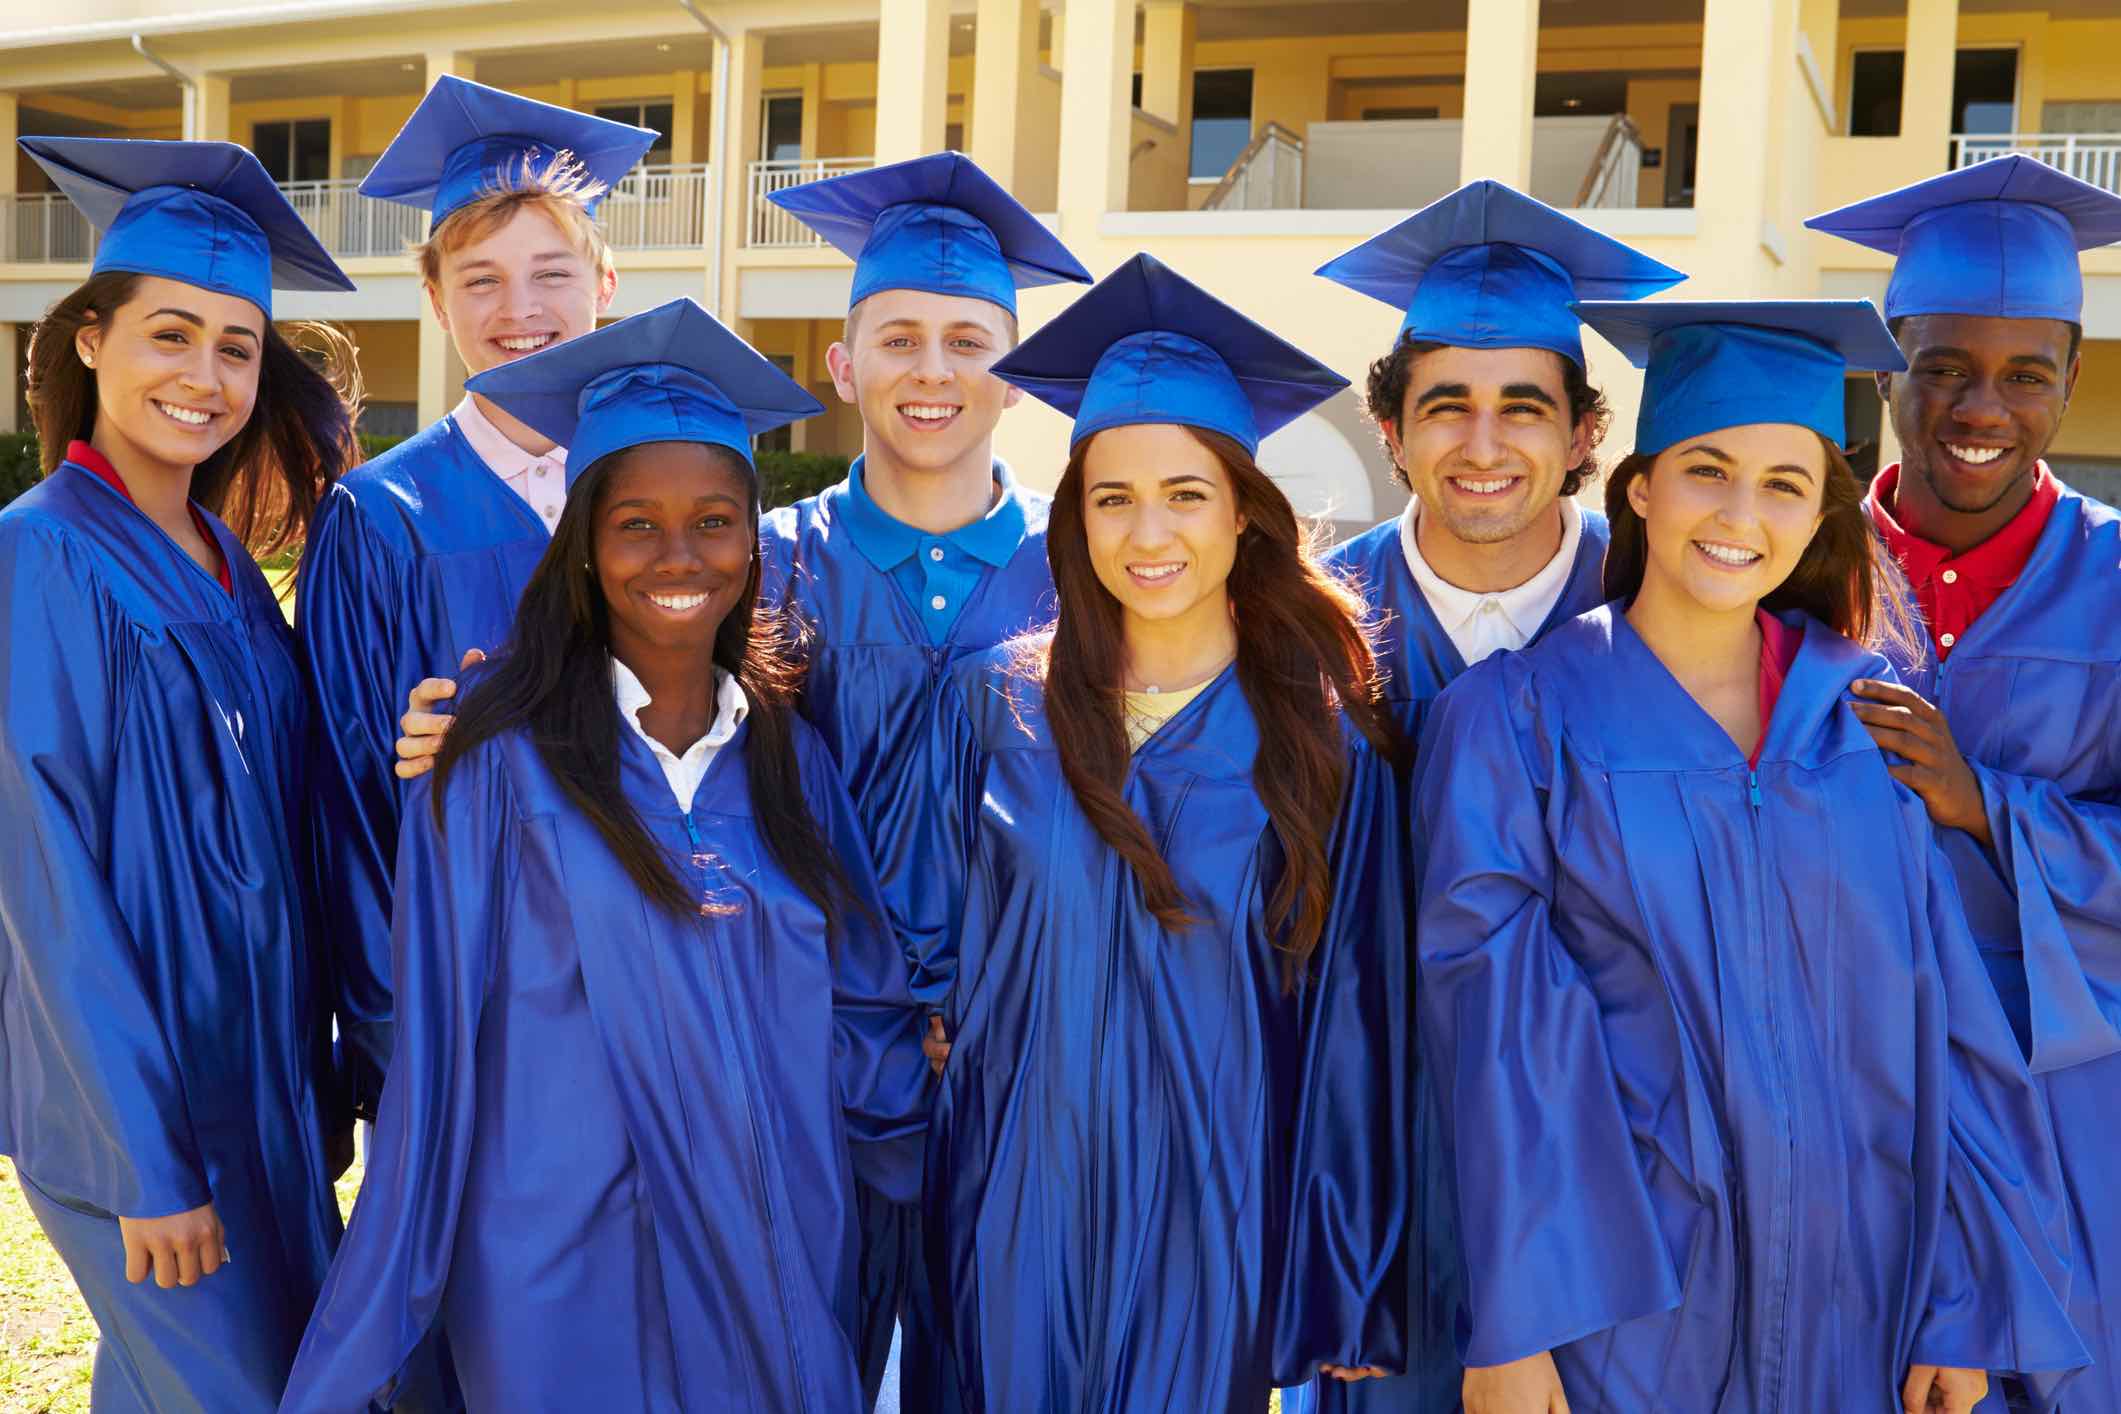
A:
(2089, 157)
(768, 224)
(1267, 176)
(1616, 169)
(653, 208)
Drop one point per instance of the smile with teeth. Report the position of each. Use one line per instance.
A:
(929, 412)
(1975, 456)
(524, 343)
(190, 417)
(1736, 556)
(1156, 572)
(1484, 485)
(678, 603)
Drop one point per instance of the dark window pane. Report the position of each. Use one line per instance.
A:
(1389, 115)
(657, 116)
(1578, 95)
(782, 137)
(1984, 90)
(1137, 99)
(1222, 119)
(312, 150)
(274, 145)
(1874, 93)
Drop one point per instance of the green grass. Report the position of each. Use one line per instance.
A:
(47, 1337)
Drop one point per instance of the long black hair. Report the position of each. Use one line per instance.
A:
(554, 680)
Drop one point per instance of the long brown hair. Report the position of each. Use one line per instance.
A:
(1843, 579)
(554, 680)
(1303, 657)
(265, 481)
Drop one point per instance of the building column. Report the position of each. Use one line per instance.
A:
(1169, 29)
(1004, 63)
(913, 49)
(11, 356)
(742, 65)
(441, 372)
(1748, 70)
(1502, 56)
(1926, 88)
(206, 109)
(1097, 127)
(684, 101)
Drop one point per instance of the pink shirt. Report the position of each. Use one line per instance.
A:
(540, 480)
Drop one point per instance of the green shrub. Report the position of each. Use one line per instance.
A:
(787, 477)
(18, 465)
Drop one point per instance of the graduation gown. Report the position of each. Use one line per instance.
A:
(1418, 661)
(1738, 1124)
(873, 675)
(414, 558)
(1156, 1179)
(163, 1015)
(2033, 694)
(614, 1147)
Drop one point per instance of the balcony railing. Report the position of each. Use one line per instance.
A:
(654, 208)
(770, 226)
(1267, 176)
(2089, 157)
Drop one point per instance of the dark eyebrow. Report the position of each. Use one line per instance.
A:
(1793, 469)
(1532, 392)
(1181, 479)
(1445, 390)
(1708, 450)
(197, 323)
(2038, 361)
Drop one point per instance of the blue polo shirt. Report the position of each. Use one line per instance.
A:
(936, 573)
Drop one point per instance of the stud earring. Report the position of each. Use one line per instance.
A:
(88, 361)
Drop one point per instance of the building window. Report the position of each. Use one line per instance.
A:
(656, 116)
(298, 151)
(781, 128)
(1984, 92)
(1875, 81)
(1400, 114)
(1222, 121)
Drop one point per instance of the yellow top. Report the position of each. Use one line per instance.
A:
(1146, 711)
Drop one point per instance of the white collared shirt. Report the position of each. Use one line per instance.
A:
(683, 772)
(540, 480)
(1483, 624)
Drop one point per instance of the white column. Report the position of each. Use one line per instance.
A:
(1004, 60)
(206, 111)
(913, 60)
(1096, 126)
(1502, 57)
(743, 65)
(1169, 31)
(441, 372)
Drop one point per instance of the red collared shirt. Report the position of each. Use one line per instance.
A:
(81, 454)
(1778, 650)
(1954, 590)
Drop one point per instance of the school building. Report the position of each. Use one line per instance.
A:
(1243, 142)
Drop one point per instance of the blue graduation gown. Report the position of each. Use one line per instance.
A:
(1418, 660)
(163, 1020)
(614, 1147)
(873, 675)
(1738, 1124)
(414, 558)
(2033, 694)
(1156, 1179)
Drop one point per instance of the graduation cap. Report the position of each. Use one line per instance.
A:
(1731, 363)
(1148, 345)
(205, 213)
(1998, 239)
(936, 223)
(1488, 267)
(466, 140)
(673, 374)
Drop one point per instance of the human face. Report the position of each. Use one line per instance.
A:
(1978, 406)
(672, 541)
(1728, 515)
(1162, 522)
(176, 370)
(1486, 440)
(916, 365)
(526, 286)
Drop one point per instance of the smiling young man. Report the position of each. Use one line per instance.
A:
(927, 552)
(2007, 728)
(1490, 421)
(421, 554)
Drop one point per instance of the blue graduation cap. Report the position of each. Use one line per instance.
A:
(1149, 345)
(673, 374)
(1731, 363)
(466, 140)
(938, 224)
(1488, 267)
(205, 213)
(1997, 239)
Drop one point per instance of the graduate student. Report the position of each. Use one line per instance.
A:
(1165, 1164)
(635, 1057)
(1491, 422)
(928, 552)
(2007, 724)
(1737, 1122)
(165, 1062)
(420, 554)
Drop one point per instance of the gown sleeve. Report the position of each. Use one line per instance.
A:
(453, 899)
(1344, 1286)
(2061, 856)
(349, 611)
(882, 1073)
(1559, 1236)
(95, 1104)
(2000, 1283)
